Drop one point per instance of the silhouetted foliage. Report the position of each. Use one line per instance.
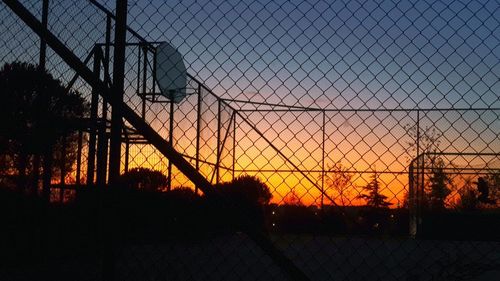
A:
(406, 200)
(338, 179)
(184, 194)
(424, 141)
(493, 179)
(483, 188)
(374, 198)
(294, 218)
(242, 203)
(438, 186)
(143, 179)
(293, 199)
(468, 200)
(42, 121)
(247, 188)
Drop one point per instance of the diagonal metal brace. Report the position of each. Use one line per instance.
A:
(109, 94)
(164, 146)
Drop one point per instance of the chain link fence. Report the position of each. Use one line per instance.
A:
(369, 121)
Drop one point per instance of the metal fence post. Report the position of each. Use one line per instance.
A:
(127, 151)
(93, 120)
(234, 143)
(43, 44)
(47, 163)
(144, 79)
(198, 132)
(116, 126)
(171, 140)
(420, 181)
(412, 201)
(79, 157)
(102, 144)
(323, 161)
(218, 156)
(118, 85)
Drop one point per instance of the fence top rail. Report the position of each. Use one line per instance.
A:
(460, 154)
(286, 108)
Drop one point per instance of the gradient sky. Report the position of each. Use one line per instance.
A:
(324, 54)
(333, 54)
(375, 54)
(370, 54)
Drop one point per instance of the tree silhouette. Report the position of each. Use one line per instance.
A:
(245, 199)
(39, 122)
(468, 200)
(338, 178)
(438, 188)
(373, 196)
(483, 188)
(426, 142)
(143, 179)
(293, 199)
(422, 141)
(247, 188)
(493, 179)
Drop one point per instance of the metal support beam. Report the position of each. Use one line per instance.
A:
(79, 157)
(47, 163)
(102, 143)
(43, 44)
(280, 153)
(323, 174)
(219, 128)
(118, 87)
(135, 120)
(198, 132)
(234, 145)
(127, 151)
(62, 167)
(93, 120)
(102, 147)
(162, 145)
(171, 140)
(144, 79)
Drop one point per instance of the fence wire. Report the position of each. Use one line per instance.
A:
(371, 118)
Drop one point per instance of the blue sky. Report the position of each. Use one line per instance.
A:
(354, 54)
(329, 54)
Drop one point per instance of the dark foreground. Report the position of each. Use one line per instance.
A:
(135, 236)
(235, 257)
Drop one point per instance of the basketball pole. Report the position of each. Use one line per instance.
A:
(118, 85)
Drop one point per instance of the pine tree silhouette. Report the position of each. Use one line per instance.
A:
(373, 196)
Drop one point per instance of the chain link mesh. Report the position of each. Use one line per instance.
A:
(319, 99)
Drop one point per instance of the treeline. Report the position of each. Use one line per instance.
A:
(99, 215)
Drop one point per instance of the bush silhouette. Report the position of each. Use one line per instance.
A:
(246, 188)
(143, 179)
(246, 197)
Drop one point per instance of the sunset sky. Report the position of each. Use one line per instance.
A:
(340, 56)
(373, 54)
(369, 55)
(346, 58)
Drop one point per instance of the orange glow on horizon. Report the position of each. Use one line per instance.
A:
(281, 183)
